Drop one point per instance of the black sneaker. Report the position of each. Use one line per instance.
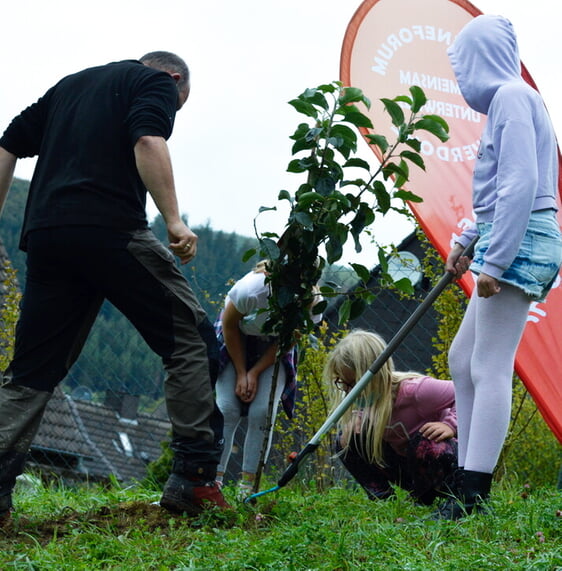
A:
(185, 496)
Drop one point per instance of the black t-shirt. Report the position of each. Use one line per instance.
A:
(84, 130)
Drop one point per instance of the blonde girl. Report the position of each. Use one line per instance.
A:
(401, 430)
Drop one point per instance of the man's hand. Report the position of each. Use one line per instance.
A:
(183, 242)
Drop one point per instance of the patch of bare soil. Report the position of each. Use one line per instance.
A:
(114, 520)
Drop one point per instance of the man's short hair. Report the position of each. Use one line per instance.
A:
(169, 62)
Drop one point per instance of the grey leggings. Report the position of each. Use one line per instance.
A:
(231, 408)
(481, 361)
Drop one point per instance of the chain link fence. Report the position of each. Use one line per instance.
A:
(108, 418)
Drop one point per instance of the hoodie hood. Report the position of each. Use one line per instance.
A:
(484, 56)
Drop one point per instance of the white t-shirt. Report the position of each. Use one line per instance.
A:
(249, 294)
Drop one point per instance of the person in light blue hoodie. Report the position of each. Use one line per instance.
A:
(518, 253)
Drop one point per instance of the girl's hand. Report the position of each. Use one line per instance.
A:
(246, 387)
(455, 263)
(437, 431)
(487, 286)
(241, 389)
(251, 387)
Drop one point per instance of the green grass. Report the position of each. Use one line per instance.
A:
(295, 528)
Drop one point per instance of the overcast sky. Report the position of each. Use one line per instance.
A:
(230, 145)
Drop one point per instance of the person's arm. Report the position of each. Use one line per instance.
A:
(234, 342)
(155, 169)
(7, 167)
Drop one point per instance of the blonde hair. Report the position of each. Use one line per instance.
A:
(260, 267)
(354, 354)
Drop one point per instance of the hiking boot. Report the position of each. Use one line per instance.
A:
(182, 495)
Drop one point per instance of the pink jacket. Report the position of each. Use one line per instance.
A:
(420, 400)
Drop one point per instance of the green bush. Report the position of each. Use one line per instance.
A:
(9, 312)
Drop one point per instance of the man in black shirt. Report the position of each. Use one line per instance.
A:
(100, 140)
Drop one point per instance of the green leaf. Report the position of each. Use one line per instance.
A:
(249, 254)
(301, 165)
(382, 196)
(398, 171)
(351, 95)
(413, 143)
(405, 285)
(325, 185)
(394, 110)
(295, 166)
(363, 218)
(284, 195)
(334, 249)
(418, 97)
(328, 87)
(270, 248)
(362, 272)
(305, 108)
(315, 97)
(304, 220)
(336, 142)
(302, 145)
(414, 158)
(267, 208)
(300, 131)
(357, 162)
(358, 306)
(306, 199)
(344, 311)
(438, 119)
(432, 126)
(404, 99)
(378, 140)
(320, 307)
(345, 132)
(406, 195)
(358, 182)
(358, 119)
(313, 134)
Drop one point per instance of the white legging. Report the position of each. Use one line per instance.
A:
(481, 361)
(229, 405)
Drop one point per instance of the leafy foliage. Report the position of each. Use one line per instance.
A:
(9, 312)
(329, 207)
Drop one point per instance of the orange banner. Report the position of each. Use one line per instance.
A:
(391, 45)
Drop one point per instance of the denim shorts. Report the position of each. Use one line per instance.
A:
(538, 260)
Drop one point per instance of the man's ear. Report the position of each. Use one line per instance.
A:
(176, 76)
